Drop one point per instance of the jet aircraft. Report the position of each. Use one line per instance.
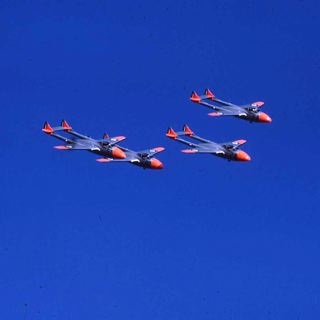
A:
(144, 158)
(249, 112)
(107, 147)
(227, 150)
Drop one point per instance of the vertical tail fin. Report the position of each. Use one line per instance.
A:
(195, 97)
(65, 125)
(47, 128)
(187, 130)
(171, 133)
(209, 94)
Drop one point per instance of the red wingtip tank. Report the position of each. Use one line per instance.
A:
(263, 117)
(118, 153)
(242, 156)
(156, 164)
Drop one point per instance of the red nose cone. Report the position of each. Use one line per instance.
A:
(118, 153)
(263, 117)
(242, 156)
(156, 164)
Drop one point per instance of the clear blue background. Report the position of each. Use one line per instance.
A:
(202, 239)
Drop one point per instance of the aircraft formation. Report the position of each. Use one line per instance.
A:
(110, 150)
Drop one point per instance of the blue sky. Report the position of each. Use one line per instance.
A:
(202, 239)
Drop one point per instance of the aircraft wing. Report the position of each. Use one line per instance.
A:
(76, 146)
(111, 141)
(129, 158)
(200, 149)
(226, 110)
(149, 153)
(233, 144)
(254, 106)
(230, 111)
